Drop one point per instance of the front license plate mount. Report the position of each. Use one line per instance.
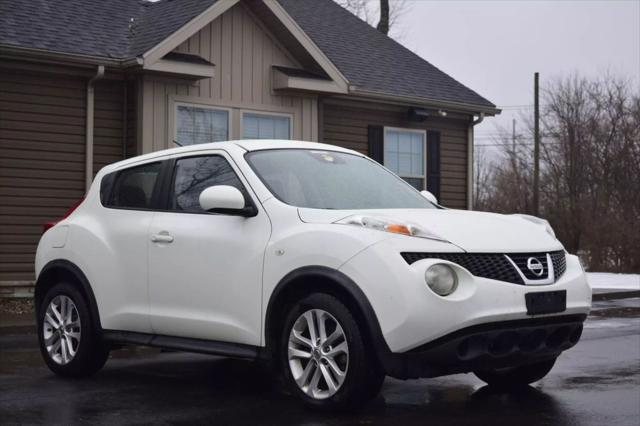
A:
(546, 302)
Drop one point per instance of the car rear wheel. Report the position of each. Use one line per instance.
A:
(516, 376)
(325, 359)
(69, 343)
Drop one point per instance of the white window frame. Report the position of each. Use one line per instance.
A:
(201, 106)
(424, 150)
(268, 114)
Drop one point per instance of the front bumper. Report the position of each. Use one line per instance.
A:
(487, 346)
(417, 324)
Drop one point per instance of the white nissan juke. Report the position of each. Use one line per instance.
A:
(308, 255)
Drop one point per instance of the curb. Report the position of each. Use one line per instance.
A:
(616, 295)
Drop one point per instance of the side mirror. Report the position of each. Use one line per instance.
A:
(429, 196)
(226, 200)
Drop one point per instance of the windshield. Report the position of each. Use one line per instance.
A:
(332, 180)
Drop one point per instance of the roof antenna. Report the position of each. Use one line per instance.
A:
(177, 143)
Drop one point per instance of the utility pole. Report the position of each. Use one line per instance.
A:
(513, 136)
(536, 146)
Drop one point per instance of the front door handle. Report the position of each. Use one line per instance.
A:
(162, 237)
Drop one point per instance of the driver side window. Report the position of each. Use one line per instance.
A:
(193, 175)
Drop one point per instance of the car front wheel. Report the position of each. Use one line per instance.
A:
(325, 359)
(516, 376)
(69, 343)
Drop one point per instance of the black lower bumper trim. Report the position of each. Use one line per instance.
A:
(485, 346)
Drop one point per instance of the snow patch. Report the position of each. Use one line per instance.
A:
(605, 282)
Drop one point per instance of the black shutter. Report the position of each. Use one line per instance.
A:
(433, 163)
(376, 143)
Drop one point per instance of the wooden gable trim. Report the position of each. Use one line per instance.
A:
(190, 28)
(281, 81)
(292, 26)
(174, 67)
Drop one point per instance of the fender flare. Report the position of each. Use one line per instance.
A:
(345, 284)
(54, 267)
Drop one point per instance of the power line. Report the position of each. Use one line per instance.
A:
(519, 144)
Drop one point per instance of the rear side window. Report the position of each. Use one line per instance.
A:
(195, 174)
(133, 188)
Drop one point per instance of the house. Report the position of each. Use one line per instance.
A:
(84, 83)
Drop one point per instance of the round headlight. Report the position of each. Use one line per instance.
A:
(441, 279)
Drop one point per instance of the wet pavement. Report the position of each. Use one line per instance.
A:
(595, 383)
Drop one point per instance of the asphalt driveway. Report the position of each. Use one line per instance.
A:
(595, 383)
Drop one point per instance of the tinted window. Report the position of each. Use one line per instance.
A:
(195, 174)
(133, 188)
(332, 180)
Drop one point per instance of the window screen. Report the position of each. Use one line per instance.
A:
(195, 174)
(404, 154)
(196, 125)
(263, 126)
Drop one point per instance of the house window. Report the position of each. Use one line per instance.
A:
(404, 154)
(265, 126)
(198, 124)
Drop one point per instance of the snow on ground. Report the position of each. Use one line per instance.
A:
(605, 282)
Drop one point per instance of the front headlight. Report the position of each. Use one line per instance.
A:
(389, 225)
(441, 279)
(538, 221)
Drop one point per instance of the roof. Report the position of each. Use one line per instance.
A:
(372, 61)
(118, 29)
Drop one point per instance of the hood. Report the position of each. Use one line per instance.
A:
(476, 232)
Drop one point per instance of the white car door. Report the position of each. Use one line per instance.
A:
(205, 270)
(121, 281)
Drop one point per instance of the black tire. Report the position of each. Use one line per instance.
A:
(91, 353)
(363, 378)
(516, 376)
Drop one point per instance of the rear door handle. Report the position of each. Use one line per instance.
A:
(162, 237)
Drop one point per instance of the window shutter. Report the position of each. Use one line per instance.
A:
(433, 163)
(376, 143)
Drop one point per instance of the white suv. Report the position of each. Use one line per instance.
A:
(310, 255)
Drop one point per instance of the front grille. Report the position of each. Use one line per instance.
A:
(559, 261)
(496, 266)
(521, 259)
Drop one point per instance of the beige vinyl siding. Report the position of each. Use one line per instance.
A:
(131, 122)
(108, 136)
(243, 52)
(346, 124)
(42, 154)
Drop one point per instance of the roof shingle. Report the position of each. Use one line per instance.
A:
(118, 29)
(123, 29)
(372, 61)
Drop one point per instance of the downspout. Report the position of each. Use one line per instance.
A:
(470, 161)
(125, 124)
(88, 166)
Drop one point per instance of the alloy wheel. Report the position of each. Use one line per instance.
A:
(62, 329)
(318, 354)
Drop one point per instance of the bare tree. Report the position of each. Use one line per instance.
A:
(383, 23)
(381, 14)
(590, 170)
(483, 170)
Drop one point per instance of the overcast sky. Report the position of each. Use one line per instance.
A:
(494, 47)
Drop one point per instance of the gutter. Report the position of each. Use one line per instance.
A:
(462, 107)
(88, 177)
(61, 58)
(475, 122)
